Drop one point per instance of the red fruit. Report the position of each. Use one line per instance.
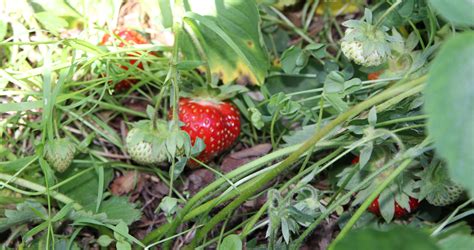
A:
(374, 75)
(399, 211)
(129, 37)
(216, 123)
(355, 160)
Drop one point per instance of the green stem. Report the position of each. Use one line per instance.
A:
(339, 201)
(174, 74)
(393, 101)
(19, 171)
(249, 181)
(27, 43)
(388, 11)
(157, 106)
(290, 24)
(41, 189)
(404, 119)
(272, 128)
(171, 177)
(199, 197)
(311, 12)
(191, 29)
(250, 225)
(335, 156)
(450, 217)
(221, 235)
(217, 173)
(342, 187)
(120, 109)
(170, 238)
(245, 194)
(55, 125)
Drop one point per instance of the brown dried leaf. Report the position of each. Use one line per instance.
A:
(125, 183)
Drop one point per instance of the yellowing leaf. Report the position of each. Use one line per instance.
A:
(284, 3)
(229, 33)
(338, 7)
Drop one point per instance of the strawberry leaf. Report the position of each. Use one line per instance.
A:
(120, 209)
(228, 31)
(231, 242)
(25, 212)
(392, 238)
(449, 103)
(459, 13)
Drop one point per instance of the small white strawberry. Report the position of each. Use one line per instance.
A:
(364, 43)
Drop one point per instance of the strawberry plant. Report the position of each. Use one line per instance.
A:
(236, 124)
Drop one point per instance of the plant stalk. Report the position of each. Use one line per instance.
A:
(369, 200)
(245, 194)
(41, 189)
(199, 197)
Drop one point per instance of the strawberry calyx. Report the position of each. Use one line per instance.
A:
(151, 143)
(402, 194)
(399, 212)
(145, 143)
(365, 43)
(437, 187)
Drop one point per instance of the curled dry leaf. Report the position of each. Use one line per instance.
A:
(126, 183)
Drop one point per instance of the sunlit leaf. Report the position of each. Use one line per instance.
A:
(229, 33)
(338, 7)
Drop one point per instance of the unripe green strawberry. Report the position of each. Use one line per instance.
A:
(364, 43)
(59, 153)
(147, 145)
(437, 187)
(445, 194)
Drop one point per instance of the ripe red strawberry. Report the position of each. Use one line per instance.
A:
(399, 211)
(217, 123)
(129, 37)
(355, 160)
(374, 75)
